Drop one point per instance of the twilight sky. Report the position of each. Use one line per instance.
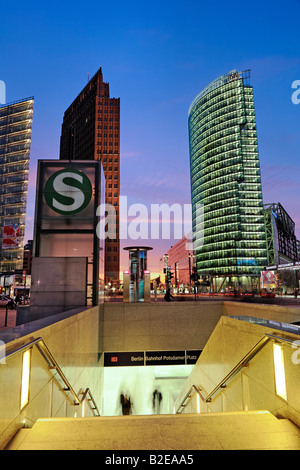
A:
(157, 56)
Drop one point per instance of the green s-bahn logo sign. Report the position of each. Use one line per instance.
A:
(68, 191)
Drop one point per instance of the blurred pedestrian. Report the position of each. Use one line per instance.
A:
(126, 404)
(156, 400)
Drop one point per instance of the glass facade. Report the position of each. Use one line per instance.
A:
(225, 179)
(137, 269)
(15, 142)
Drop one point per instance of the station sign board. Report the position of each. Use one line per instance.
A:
(151, 358)
(68, 191)
(68, 195)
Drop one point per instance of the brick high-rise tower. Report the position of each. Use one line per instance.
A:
(91, 131)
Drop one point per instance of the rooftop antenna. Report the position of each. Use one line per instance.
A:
(88, 77)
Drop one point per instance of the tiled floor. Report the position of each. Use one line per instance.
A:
(213, 431)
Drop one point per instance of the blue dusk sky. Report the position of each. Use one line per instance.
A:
(157, 56)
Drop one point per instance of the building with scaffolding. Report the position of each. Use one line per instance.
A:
(226, 182)
(282, 247)
(280, 235)
(15, 142)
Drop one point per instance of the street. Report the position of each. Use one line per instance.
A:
(288, 301)
(11, 318)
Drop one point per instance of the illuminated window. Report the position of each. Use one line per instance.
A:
(225, 178)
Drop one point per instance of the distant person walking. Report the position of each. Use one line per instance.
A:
(126, 404)
(157, 398)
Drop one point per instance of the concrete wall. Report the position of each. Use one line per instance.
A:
(254, 387)
(175, 325)
(57, 284)
(267, 311)
(158, 326)
(74, 342)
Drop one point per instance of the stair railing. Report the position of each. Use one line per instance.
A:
(237, 368)
(67, 389)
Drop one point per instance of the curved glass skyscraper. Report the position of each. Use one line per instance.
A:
(226, 182)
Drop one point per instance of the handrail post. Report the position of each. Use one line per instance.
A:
(6, 313)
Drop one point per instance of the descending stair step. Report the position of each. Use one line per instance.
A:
(18, 438)
(207, 431)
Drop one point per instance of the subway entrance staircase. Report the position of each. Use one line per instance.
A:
(235, 430)
(252, 430)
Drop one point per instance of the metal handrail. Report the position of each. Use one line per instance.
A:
(87, 393)
(53, 365)
(224, 382)
(187, 397)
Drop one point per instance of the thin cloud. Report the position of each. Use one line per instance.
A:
(280, 177)
(129, 154)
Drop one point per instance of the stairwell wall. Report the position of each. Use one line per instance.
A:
(75, 343)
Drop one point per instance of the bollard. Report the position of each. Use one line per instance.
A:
(6, 310)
